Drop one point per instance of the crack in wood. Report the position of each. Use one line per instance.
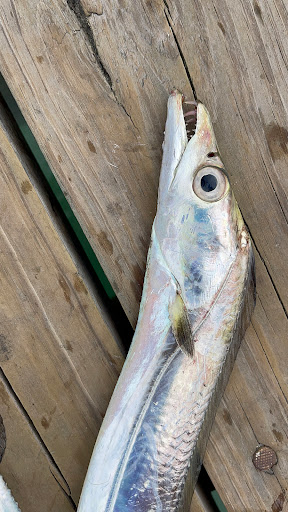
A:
(77, 8)
(271, 367)
(245, 414)
(167, 16)
(63, 490)
(274, 190)
(54, 468)
(168, 8)
(267, 270)
(265, 265)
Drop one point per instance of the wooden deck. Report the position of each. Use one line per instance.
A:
(92, 81)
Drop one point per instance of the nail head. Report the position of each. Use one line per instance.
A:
(264, 458)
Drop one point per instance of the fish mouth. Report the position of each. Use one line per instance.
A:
(186, 118)
(190, 109)
(189, 138)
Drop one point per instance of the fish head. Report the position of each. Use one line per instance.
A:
(198, 226)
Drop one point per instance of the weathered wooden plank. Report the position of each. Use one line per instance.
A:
(224, 47)
(25, 466)
(56, 349)
(99, 122)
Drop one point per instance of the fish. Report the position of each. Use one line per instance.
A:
(7, 502)
(197, 301)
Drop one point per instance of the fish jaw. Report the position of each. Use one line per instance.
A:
(197, 149)
(175, 141)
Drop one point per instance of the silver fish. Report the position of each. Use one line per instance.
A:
(197, 300)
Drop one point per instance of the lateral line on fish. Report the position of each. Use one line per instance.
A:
(137, 427)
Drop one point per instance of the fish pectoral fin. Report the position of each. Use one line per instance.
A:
(181, 326)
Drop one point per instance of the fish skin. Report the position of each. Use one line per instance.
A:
(7, 502)
(200, 266)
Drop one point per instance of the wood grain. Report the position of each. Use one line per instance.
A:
(98, 116)
(37, 487)
(56, 350)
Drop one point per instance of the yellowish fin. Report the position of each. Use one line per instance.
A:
(181, 326)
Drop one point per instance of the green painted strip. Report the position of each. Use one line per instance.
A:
(218, 501)
(57, 192)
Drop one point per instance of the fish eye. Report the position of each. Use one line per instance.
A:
(210, 184)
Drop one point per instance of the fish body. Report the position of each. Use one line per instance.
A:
(197, 300)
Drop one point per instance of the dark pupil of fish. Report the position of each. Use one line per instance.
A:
(208, 182)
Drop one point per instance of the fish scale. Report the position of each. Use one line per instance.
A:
(187, 423)
(198, 297)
